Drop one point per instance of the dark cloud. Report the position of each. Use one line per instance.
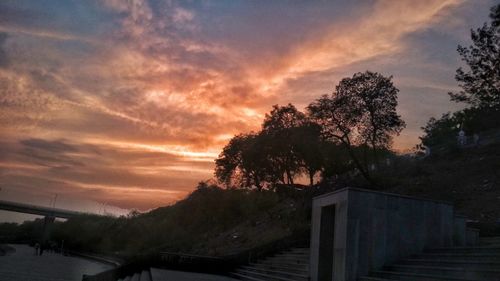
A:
(57, 146)
(4, 61)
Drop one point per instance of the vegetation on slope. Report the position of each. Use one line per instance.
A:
(210, 221)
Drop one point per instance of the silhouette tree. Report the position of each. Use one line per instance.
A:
(361, 111)
(481, 82)
(288, 145)
(308, 145)
(440, 131)
(242, 162)
(279, 127)
(480, 85)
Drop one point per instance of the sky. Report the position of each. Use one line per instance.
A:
(126, 104)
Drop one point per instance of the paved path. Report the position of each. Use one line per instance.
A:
(170, 275)
(23, 265)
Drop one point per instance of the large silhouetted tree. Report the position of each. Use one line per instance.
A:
(243, 163)
(361, 111)
(288, 145)
(480, 82)
(309, 148)
(279, 127)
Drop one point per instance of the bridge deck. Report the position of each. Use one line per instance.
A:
(37, 210)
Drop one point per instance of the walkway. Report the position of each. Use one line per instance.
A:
(23, 265)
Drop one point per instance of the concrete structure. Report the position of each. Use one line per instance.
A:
(167, 275)
(37, 210)
(290, 265)
(50, 214)
(356, 231)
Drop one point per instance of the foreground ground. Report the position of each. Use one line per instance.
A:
(23, 265)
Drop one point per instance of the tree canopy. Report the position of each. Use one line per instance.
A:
(326, 140)
(361, 112)
(480, 82)
(287, 146)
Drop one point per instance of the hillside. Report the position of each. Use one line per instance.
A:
(214, 221)
(210, 221)
(469, 178)
(217, 222)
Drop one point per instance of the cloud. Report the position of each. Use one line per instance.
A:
(112, 98)
(3, 56)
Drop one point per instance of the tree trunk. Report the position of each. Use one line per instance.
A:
(360, 167)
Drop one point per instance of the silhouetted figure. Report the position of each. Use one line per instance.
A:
(37, 248)
(462, 139)
(41, 249)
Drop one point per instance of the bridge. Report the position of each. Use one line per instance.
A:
(50, 214)
(37, 210)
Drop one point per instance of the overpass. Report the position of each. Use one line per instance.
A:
(37, 210)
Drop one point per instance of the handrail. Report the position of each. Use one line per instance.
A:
(116, 262)
(200, 263)
(188, 255)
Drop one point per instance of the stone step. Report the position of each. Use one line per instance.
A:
(245, 277)
(474, 264)
(136, 277)
(292, 256)
(276, 272)
(288, 260)
(460, 256)
(367, 278)
(304, 266)
(281, 267)
(485, 241)
(454, 272)
(298, 250)
(491, 238)
(290, 265)
(407, 276)
(465, 250)
(265, 276)
(295, 253)
(292, 252)
(145, 276)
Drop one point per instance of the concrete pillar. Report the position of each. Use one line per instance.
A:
(47, 228)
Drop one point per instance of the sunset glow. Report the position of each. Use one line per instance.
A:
(130, 102)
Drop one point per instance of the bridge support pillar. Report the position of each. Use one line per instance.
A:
(48, 221)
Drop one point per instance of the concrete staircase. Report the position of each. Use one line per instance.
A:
(145, 275)
(480, 263)
(158, 274)
(291, 265)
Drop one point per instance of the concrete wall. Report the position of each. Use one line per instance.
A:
(472, 237)
(459, 227)
(373, 228)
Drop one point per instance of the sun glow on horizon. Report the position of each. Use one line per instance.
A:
(141, 97)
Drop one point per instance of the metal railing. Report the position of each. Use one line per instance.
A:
(199, 263)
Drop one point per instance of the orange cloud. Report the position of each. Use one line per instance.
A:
(149, 103)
